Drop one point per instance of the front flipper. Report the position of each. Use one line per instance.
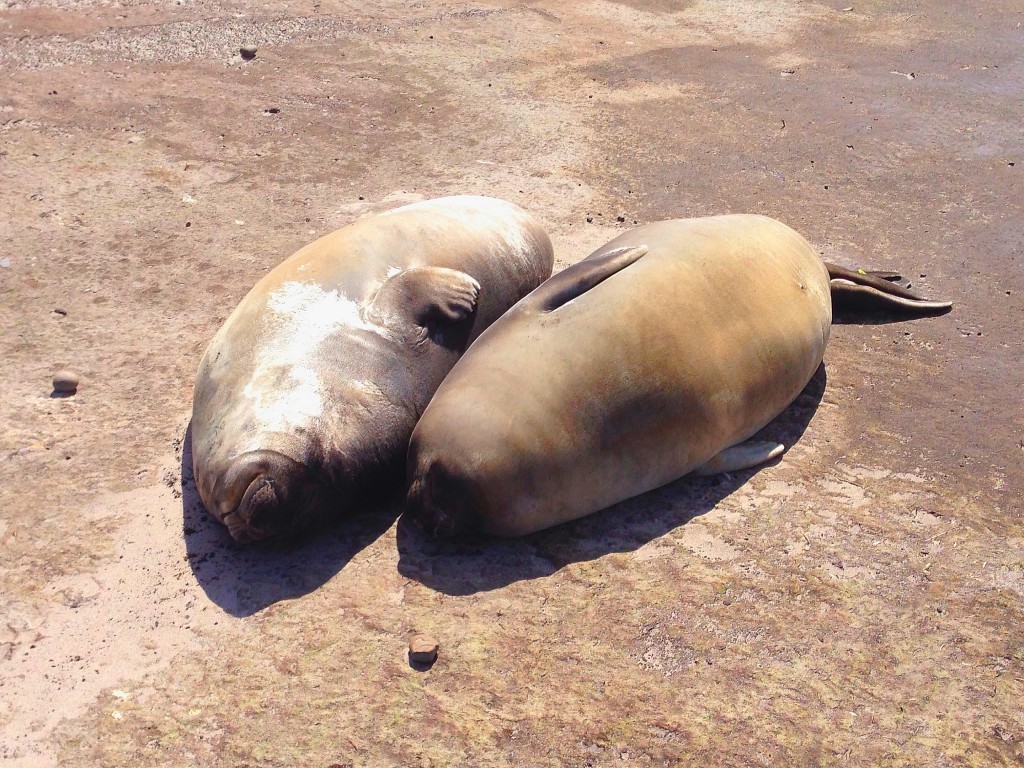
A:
(867, 290)
(741, 456)
(424, 295)
(576, 280)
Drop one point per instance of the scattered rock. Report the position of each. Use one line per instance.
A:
(271, 111)
(248, 52)
(423, 649)
(65, 382)
(620, 218)
(59, 311)
(5, 262)
(590, 219)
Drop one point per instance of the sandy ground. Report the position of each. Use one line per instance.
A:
(859, 603)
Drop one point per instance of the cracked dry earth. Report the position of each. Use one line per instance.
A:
(860, 602)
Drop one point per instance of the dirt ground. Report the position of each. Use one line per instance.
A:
(859, 603)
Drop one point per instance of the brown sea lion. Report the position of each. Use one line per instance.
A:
(655, 357)
(308, 393)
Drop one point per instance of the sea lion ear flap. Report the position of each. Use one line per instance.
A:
(423, 295)
(576, 280)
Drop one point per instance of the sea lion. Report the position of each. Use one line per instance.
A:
(655, 357)
(307, 395)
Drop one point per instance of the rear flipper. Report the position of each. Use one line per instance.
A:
(892, 277)
(881, 290)
(741, 456)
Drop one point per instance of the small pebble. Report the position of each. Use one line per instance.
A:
(423, 649)
(620, 218)
(590, 219)
(248, 52)
(65, 382)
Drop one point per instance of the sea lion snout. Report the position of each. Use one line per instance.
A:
(260, 509)
(438, 501)
(268, 485)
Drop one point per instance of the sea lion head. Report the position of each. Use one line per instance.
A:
(293, 470)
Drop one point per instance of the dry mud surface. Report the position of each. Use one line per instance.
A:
(861, 602)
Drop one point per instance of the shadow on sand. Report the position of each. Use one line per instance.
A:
(244, 579)
(464, 567)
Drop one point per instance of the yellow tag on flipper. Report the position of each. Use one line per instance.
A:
(861, 272)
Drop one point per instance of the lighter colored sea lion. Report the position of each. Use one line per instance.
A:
(655, 357)
(307, 395)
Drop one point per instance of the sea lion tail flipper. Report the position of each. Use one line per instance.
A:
(892, 277)
(750, 453)
(423, 295)
(581, 277)
(878, 289)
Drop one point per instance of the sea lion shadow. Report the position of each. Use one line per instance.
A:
(468, 566)
(243, 579)
(866, 311)
(854, 317)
